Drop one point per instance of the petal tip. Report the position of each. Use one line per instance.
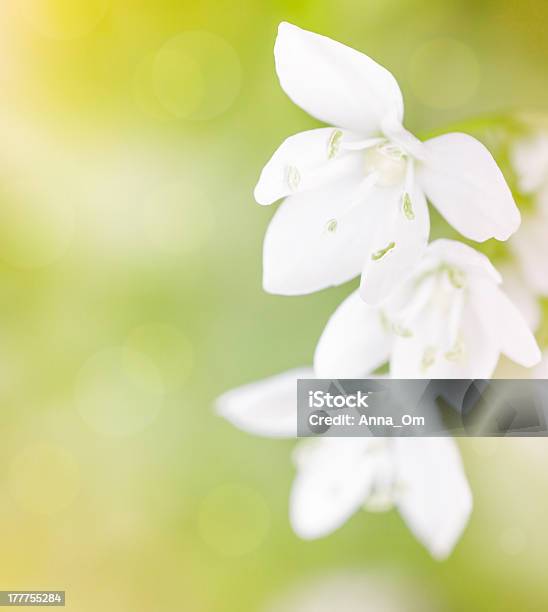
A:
(285, 29)
(511, 228)
(260, 196)
(369, 294)
(286, 26)
(303, 527)
(535, 357)
(275, 286)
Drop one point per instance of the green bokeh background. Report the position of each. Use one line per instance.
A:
(130, 283)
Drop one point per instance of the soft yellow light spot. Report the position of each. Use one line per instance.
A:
(145, 94)
(167, 347)
(178, 218)
(119, 392)
(36, 229)
(196, 75)
(234, 520)
(44, 479)
(63, 19)
(513, 541)
(444, 73)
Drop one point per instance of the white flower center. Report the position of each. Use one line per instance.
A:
(385, 164)
(388, 161)
(438, 297)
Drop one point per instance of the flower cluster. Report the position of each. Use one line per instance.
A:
(530, 244)
(355, 202)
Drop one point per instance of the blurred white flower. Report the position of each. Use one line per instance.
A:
(515, 286)
(449, 319)
(541, 370)
(508, 369)
(529, 157)
(423, 478)
(530, 243)
(356, 193)
(380, 590)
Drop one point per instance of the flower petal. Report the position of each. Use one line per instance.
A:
(531, 246)
(521, 295)
(396, 248)
(462, 256)
(334, 477)
(478, 358)
(530, 159)
(541, 370)
(267, 407)
(461, 178)
(311, 243)
(334, 83)
(306, 161)
(435, 498)
(354, 342)
(504, 324)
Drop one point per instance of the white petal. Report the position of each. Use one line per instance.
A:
(334, 477)
(521, 295)
(302, 254)
(334, 83)
(530, 159)
(462, 256)
(504, 324)
(403, 240)
(305, 161)
(531, 246)
(354, 342)
(541, 370)
(408, 142)
(267, 407)
(478, 359)
(462, 180)
(435, 498)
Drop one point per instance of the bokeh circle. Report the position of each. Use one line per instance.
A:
(119, 391)
(234, 520)
(444, 73)
(196, 75)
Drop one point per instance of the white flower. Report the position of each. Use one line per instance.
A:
(516, 287)
(530, 243)
(507, 369)
(529, 157)
(541, 370)
(355, 590)
(450, 319)
(423, 478)
(530, 246)
(356, 192)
